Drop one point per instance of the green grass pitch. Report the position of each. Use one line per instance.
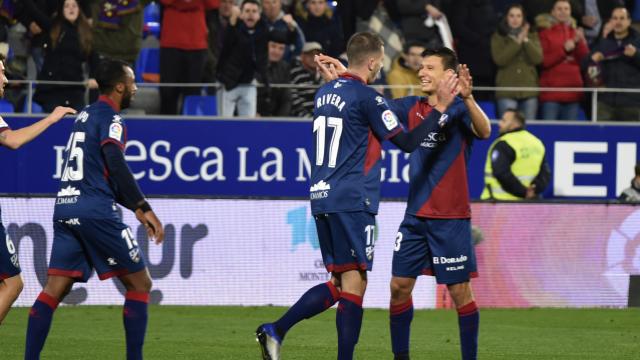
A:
(179, 332)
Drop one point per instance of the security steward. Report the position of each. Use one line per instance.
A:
(516, 167)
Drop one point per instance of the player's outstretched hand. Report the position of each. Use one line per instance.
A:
(466, 81)
(59, 112)
(447, 90)
(152, 224)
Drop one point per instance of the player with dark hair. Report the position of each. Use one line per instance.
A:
(10, 279)
(350, 121)
(88, 231)
(435, 235)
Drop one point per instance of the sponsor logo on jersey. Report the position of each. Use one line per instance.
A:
(68, 195)
(444, 118)
(433, 139)
(320, 190)
(380, 100)
(389, 119)
(74, 221)
(82, 117)
(15, 261)
(337, 85)
(115, 131)
(446, 260)
(111, 261)
(117, 119)
(134, 254)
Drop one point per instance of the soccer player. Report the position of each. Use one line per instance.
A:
(10, 279)
(88, 232)
(350, 121)
(435, 235)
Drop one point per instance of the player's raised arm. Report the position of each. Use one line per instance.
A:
(438, 118)
(14, 139)
(480, 123)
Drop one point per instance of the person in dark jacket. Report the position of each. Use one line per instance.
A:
(320, 24)
(412, 21)
(616, 59)
(68, 49)
(274, 101)
(244, 53)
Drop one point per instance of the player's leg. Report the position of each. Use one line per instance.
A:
(10, 280)
(451, 244)
(41, 313)
(10, 289)
(350, 311)
(67, 265)
(410, 259)
(314, 301)
(135, 313)
(468, 318)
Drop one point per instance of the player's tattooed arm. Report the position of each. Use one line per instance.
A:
(480, 123)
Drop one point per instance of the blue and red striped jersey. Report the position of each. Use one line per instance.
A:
(438, 183)
(350, 120)
(85, 190)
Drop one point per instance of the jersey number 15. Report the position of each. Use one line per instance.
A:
(75, 154)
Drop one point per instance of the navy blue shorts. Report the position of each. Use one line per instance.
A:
(9, 264)
(106, 245)
(347, 240)
(440, 247)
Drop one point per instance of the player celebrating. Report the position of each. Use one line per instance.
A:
(350, 120)
(88, 233)
(435, 235)
(10, 280)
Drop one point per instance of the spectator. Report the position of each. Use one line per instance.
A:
(615, 57)
(117, 29)
(36, 16)
(537, 10)
(596, 13)
(632, 193)
(275, 101)
(69, 48)
(412, 21)
(320, 24)
(304, 72)
(563, 48)
(404, 71)
(516, 51)
(474, 21)
(183, 49)
(217, 22)
(516, 168)
(244, 53)
(276, 19)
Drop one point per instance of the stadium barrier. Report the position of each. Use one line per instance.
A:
(266, 252)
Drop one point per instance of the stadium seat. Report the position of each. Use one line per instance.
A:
(6, 107)
(148, 65)
(200, 105)
(152, 20)
(489, 108)
(35, 108)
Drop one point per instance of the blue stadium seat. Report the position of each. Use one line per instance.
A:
(35, 108)
(148, 65)
(6, 107)
(489, 108)
(200, 105)
(152, 20)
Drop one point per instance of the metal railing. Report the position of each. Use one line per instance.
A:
(30, 89)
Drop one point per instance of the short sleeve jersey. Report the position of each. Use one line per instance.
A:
(85, 190)
(3, 127)
(438, 185)
(350, 120)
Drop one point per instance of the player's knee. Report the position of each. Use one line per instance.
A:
(14, 286)
(460, 293)
(400, 289)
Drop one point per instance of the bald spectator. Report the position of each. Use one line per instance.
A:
(563, 48)
(305, 73)
(404, 70)
(617, 59)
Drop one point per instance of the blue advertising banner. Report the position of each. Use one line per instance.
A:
(272, 158)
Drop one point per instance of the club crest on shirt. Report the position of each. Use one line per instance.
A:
(115, 131)
(389, 119)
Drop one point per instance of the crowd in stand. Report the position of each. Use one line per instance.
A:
(250, 48)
